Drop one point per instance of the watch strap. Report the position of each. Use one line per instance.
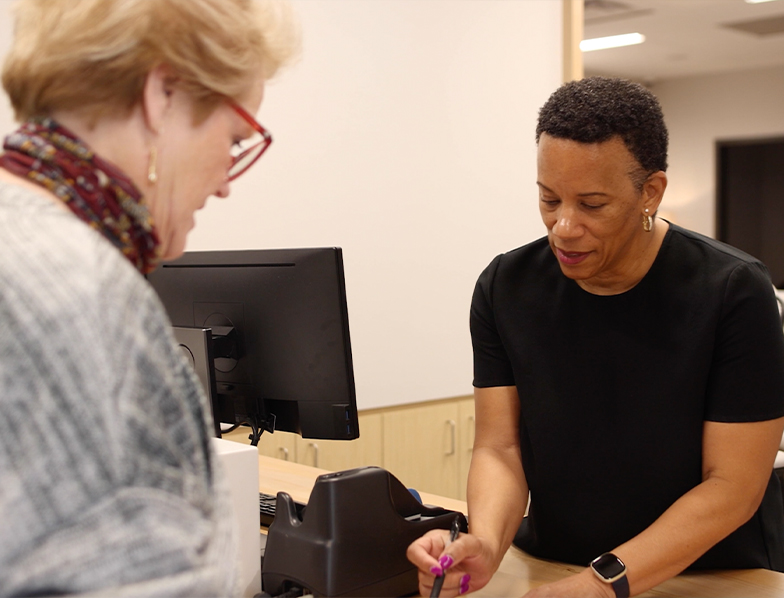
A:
(621, 587)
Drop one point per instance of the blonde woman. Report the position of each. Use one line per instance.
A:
(132, 113)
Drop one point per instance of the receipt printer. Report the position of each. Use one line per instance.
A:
(352, 537)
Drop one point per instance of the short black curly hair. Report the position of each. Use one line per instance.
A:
(595, 109)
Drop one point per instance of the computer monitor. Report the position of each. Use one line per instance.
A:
(280, 351)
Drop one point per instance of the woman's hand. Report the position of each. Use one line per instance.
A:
(469, 562)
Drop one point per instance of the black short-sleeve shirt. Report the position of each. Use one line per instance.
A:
(614, 390)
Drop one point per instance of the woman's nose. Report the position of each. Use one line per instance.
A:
(567, 224)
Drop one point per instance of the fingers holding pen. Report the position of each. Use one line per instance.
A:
(453, 583)
(445, 560)
(449, 580)
(446, 578)
(435, 556)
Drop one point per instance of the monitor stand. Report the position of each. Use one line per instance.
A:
(196, 345)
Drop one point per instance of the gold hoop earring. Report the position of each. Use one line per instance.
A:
(152, 174)
(647, 222)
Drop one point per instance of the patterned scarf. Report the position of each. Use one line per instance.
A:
(96, 191)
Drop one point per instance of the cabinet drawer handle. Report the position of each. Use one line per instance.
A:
(284, 451)
(315, 453)
(452, 435)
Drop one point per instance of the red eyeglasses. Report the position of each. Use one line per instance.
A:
(245, 153)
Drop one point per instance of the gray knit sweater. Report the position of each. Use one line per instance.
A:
(108, 483)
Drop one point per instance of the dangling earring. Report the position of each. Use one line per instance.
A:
(152, 174)
(647, 222)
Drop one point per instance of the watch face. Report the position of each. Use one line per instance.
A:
(608, 566)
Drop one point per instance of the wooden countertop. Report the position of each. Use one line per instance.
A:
(519, 571)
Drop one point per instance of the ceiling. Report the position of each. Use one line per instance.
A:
(684, 37)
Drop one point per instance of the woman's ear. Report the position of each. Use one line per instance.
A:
(157, 96)
(653, 190)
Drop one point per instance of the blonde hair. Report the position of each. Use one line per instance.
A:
(94, 55)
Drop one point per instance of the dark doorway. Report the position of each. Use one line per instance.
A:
(750, 200)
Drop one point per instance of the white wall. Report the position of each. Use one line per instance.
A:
(702, 110)
(404, 135)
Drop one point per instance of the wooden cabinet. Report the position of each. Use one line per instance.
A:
(281, 445)
(427, 446)
(466, 429)
(420, 447)
(337, 455)
(326, 454)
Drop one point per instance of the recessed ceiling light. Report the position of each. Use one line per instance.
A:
(613, 41)
(757, 1)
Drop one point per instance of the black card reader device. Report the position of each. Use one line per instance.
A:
(352, 538)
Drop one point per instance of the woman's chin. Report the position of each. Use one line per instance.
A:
(172, 250)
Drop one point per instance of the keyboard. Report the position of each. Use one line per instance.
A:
(267, 504)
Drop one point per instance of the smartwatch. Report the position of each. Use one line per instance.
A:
(610, 569)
